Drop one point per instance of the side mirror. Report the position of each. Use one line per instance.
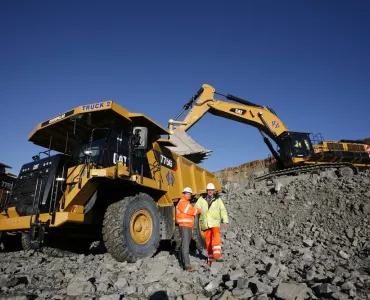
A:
(140, 138)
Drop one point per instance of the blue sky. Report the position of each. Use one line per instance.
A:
(309, 60)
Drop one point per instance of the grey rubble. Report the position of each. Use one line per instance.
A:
(308, 240)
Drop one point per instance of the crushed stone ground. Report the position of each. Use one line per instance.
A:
(309, 239)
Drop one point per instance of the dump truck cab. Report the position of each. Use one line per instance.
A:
(107, 173)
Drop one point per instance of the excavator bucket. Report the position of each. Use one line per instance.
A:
(187, 147)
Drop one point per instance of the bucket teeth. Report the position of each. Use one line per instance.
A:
(187, 147)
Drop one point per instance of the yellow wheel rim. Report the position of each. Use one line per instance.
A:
(141, 226)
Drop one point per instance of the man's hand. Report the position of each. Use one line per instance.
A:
(224, 225)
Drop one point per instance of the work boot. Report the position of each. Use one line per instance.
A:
(220, 259)
(189, 269)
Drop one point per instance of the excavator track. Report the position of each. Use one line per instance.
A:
(305, 169)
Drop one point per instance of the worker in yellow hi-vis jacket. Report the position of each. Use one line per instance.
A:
(213, 212)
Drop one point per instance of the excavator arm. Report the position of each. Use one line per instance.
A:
(261, 117)
(246, 112)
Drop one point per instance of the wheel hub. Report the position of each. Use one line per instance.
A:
(141, 226)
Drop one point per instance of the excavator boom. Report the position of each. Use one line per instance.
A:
(246, 112)
(261, 117)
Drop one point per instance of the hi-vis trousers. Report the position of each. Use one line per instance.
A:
(213, 243)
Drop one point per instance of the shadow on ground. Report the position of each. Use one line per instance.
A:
(160, 295)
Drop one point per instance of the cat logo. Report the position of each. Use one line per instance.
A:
(238, 111)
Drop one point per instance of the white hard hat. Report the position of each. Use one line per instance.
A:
(187, 190)
(210, 186)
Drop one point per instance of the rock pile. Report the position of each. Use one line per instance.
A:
(309, 239)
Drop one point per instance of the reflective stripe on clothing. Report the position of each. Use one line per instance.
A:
(213, 243)
(187, 208)
(185, 220)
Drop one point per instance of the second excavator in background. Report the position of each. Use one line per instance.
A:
(296, 153)
(6, 183)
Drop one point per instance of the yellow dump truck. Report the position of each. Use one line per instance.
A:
(111, 177)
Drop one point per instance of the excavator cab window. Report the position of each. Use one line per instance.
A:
(295, 144)
(301, 145)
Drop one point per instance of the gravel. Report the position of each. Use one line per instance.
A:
(309, 239)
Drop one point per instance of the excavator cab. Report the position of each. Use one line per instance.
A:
(294, 147)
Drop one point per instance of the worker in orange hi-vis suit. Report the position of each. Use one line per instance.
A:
(213, 212)
(185, 216)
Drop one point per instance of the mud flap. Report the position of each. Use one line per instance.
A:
(37, 234)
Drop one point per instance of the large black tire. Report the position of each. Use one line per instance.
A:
(116, 228)
(25, 240)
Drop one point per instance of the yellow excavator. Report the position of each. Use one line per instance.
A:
(296, 154)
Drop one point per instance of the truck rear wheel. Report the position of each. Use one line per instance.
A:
(131, 228)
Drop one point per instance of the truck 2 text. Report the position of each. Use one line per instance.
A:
(105, 104)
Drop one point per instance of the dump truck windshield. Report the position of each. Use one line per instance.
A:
(96, 149)
(106, 148)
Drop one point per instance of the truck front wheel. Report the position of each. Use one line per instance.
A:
(131, 228)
